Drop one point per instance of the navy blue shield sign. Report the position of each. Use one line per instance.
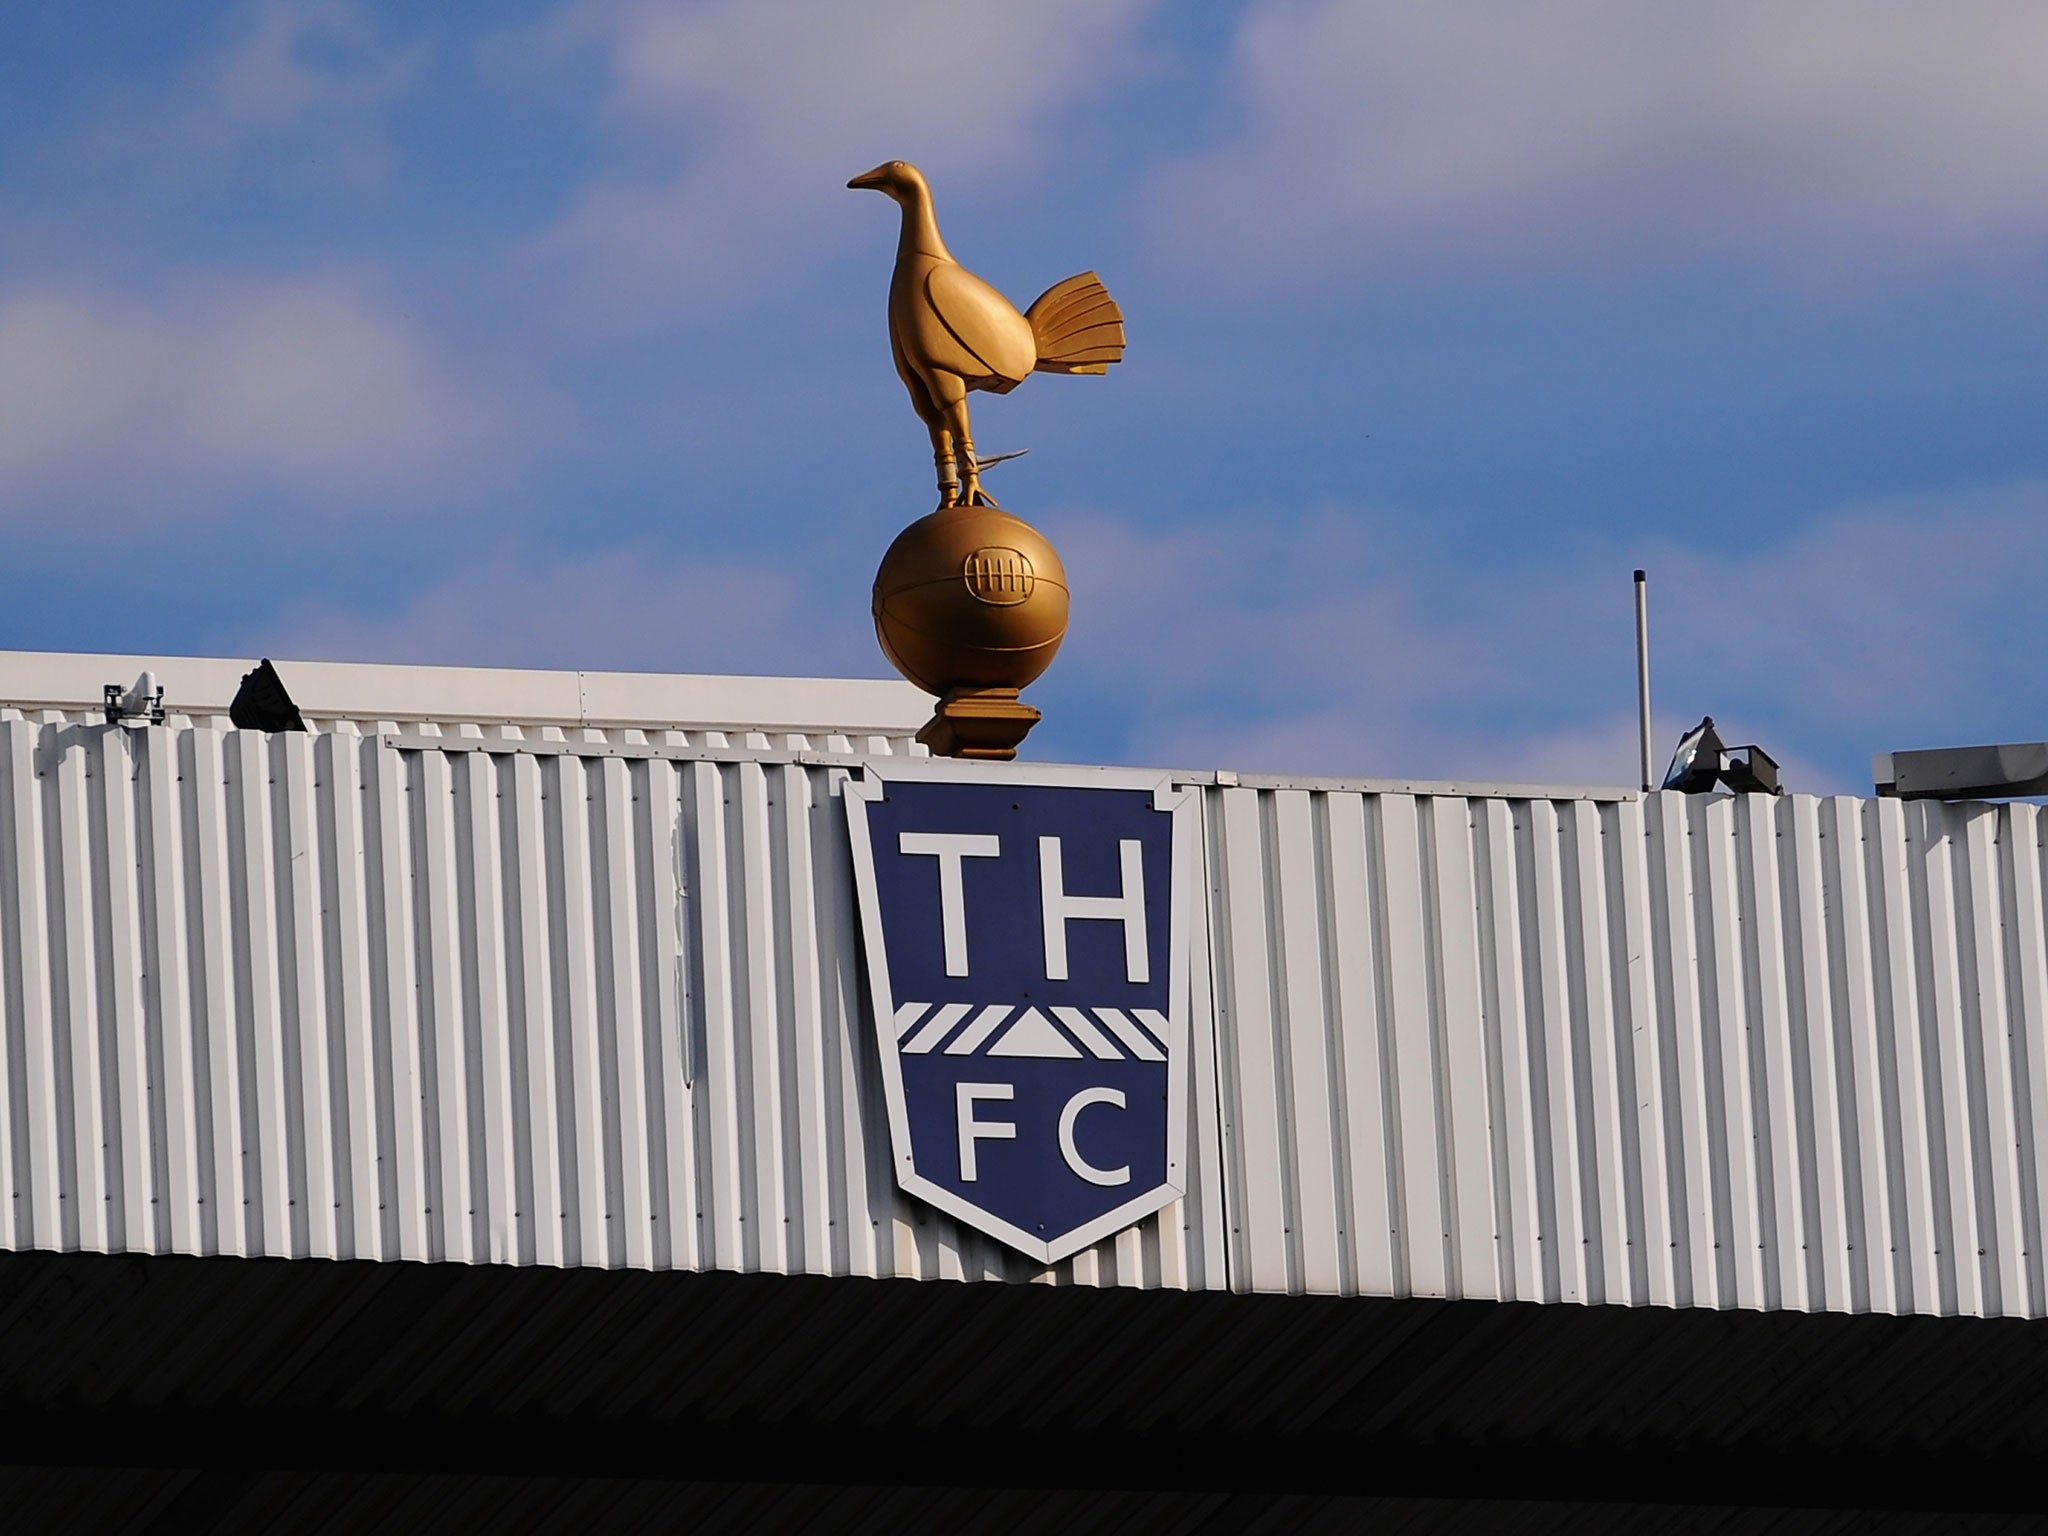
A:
(1026, 935)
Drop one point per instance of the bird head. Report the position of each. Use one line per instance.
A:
(897, 178)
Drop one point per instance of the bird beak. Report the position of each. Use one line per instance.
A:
(868, 178)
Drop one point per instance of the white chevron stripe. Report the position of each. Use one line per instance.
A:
(1085, 1031)
(1141, 1044)
(920, 1029)
(972, 1036)
(941, 1025)
(1033, 1035)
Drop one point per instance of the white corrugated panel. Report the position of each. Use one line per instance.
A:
(598, 1002)
(1681, 1050)
(322, 995)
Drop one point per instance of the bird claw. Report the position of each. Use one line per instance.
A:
(969, 495)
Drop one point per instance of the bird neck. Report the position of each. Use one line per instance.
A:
(921, 227)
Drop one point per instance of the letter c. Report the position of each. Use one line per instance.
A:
(1080, 1165)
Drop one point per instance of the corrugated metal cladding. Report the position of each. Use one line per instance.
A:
(328, 995)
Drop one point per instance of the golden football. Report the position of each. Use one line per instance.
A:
(970, 597)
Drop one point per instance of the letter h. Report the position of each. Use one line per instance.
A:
(1127, 908)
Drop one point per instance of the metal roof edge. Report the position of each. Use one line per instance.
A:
(1467, 789)
(1222, 778)
(384, 691)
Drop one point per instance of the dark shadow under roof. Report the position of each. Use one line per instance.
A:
(172, 1386)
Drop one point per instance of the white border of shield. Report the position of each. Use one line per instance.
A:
(1184, 804)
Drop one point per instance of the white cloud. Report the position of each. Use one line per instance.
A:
(295, 58)
(289, 90)
(1917, 613)
(312, 387)
(623, 609)
(1335, 644)
(1269, 610)
(1830, 141)
(741, 120)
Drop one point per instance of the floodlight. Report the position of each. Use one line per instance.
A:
(261, 703)
(1753, 773)
(1704, 760)
(1697, 762)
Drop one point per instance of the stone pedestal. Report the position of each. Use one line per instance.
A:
(983, 723)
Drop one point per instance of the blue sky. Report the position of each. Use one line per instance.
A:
(548, 335)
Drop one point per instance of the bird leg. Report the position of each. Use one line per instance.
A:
(949, 475)
(968, 468)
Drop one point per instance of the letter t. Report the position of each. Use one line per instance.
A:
(949, 848)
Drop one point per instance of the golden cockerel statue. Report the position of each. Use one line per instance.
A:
(951, 332)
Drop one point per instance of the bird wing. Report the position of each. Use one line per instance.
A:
(993, 341)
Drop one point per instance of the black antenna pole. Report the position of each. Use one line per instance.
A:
(1643, 671)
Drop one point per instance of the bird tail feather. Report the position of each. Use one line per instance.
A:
(1078, 327)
